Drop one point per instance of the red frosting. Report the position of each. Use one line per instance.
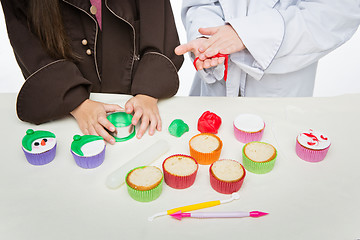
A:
(209, 122)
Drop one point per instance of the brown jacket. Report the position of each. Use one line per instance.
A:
(133, 54)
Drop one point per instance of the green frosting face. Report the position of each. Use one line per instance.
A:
(80, 141)
(120, 119)
(32, 135)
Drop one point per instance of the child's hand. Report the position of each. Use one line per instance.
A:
(91, 117)
(144, 107)
(224, 40)
(193, 46)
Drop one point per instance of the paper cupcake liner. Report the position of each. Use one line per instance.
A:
(41, 158)
(310, 155)
(90, 162)
(179, 182)
(246, 137)
(258, 167)
(147, 195)
(206, 158)
(224, 186)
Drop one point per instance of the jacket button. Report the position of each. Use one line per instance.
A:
(88, 52)
(84, 42)
(93, 10)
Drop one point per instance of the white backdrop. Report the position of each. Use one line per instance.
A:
(338, 73)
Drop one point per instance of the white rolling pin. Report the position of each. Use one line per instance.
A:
(117, 178)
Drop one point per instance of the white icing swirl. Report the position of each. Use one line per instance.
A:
(313, 140)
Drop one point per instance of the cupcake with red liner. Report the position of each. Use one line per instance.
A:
(248, 128)
(205, 148)
(180, 171)
(312, 146)
(226, 176)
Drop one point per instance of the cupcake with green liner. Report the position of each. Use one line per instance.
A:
(39, 146)
(124, 130)
(88, 150)
(144, 183)
(259, 157)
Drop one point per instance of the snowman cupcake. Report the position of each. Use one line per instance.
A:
(39, 146)
(88, 150)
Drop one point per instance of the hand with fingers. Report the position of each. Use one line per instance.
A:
(193, 46)
(223, 40)
(145, 108)
(91, 117)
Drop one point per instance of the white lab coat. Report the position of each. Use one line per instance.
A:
(284, 40)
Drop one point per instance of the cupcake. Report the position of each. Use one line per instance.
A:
(88, 150)
(205, 148)
(312, 146)
(248, 128)
(124, 130)
(144, 184)
(180, 171)
(226, 176)
(39, 146)
(259, 157)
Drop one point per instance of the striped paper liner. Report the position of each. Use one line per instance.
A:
(206, 158)
(258, 167)
(310, 155)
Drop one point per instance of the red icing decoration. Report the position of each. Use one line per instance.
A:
(311, 143)
(209, 122)
(325, 138)
(226, 63)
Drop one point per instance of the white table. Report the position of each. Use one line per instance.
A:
(61, 201)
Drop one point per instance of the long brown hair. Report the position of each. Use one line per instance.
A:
(46, 22)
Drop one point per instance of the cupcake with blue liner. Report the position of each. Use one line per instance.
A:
(88, 150)
(39, 146)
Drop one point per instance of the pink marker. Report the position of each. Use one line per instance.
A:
(179, 215)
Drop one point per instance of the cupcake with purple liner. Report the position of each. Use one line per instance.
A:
(312, 146)
(248, 128)
(39, 146)
(88, 150)
(180, 171)
(226, 176)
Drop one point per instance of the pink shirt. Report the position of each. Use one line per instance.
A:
(97, 4)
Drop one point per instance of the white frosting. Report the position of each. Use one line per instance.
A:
(145, 177)
(205, 143)
(227, 170)
(42, 145)
(93, 148)
(180, 165)
(249, 123)
(313, 140)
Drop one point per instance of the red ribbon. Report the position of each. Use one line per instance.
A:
(226, 56)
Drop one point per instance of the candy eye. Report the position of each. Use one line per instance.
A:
(36, 144)
(45, 140)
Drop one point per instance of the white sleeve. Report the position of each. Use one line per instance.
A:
(197, 14)
(292, 37)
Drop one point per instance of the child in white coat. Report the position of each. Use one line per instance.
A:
(273, 46)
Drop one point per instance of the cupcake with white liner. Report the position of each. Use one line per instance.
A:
(39, 146)
(226, 176)
(248, 128)
(88, 150)
(180, 171)
(312, 146)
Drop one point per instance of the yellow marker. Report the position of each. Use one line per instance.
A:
(197, 206)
